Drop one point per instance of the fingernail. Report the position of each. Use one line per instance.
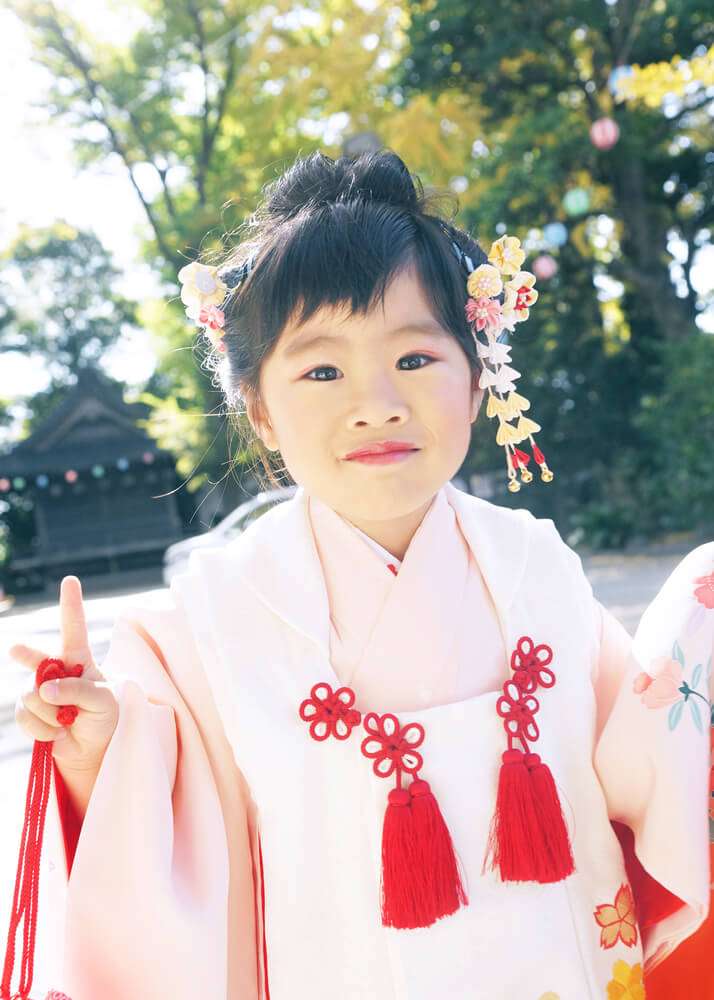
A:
(49, 690)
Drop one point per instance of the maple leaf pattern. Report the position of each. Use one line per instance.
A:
(617, 920)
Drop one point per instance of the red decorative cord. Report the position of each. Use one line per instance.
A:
(421, 881)
(330, 714)
(392, 747)
(528, 840)
(27, 879)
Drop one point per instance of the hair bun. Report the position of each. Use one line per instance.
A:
(318, 180)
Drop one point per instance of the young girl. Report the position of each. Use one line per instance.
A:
(374, 748)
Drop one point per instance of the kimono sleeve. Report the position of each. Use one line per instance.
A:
(652, 754)
(161, 875)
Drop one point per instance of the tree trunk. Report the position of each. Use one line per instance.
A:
(644, 245)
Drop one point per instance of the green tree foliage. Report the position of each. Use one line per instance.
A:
(59, 305)
(207, 102)
(203, 106)
(592, 350)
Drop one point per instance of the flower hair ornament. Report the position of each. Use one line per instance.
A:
(203, 292)
(495, 305)
(489, 315)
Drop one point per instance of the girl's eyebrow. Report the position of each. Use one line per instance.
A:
(301, 345)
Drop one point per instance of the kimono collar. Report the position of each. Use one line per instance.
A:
(276, 557)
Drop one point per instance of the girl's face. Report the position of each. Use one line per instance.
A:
(395, 374)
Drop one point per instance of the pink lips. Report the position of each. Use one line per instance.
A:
(386, 453)
(381, 449)
(386, 458)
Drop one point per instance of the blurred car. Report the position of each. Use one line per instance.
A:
(234, 524)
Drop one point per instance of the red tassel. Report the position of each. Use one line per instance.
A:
(511, 842)
(420, 876)
(538, 454)
(521, 457)
(555, 859)
(528, 841)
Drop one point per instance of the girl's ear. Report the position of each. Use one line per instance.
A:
(476, 399)
(259, 420)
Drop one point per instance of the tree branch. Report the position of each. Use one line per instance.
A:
(667, 123)
(634, 27)
(76, 60)
(205, 155)
(228, 81)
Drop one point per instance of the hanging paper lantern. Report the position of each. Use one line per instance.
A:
(4, 485)
(604, 133)
(97, 471)
(42, 480)
(556, 234)
(148, 457)
(545, 267)
(71, 475)
(19, 483)
(576, 201)
(618, 73)
(123, 464)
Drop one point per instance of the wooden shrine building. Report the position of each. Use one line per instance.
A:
(100, 489)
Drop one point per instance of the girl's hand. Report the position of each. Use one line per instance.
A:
(82, 745)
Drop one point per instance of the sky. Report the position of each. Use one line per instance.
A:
(40, 183)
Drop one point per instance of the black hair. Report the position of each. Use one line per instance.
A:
(336, 233)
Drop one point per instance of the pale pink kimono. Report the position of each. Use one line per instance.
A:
(165, 895)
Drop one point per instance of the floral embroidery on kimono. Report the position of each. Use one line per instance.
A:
(704, 595)
(626, 982)
(617, 919)
(665, 684)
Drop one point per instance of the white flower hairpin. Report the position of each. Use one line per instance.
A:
(203, 292)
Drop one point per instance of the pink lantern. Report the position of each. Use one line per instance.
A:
(604, 133)
(71, 475)
(545, 266)
(147, 457)
(4, 485)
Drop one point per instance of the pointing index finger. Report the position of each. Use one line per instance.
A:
(73, 624)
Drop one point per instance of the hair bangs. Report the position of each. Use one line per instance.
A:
(344, 256)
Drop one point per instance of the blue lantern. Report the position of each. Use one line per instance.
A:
(618, 73)
(42, 480)
(123, 464)
(556, 234)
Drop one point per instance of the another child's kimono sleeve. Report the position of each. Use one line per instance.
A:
(157, 890)
(652, 754)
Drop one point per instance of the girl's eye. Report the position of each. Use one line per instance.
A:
(327, 368)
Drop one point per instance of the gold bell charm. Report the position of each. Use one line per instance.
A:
(545, 474)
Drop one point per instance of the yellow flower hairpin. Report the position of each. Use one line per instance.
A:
(488, 315)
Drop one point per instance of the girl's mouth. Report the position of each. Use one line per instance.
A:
(385, 458)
